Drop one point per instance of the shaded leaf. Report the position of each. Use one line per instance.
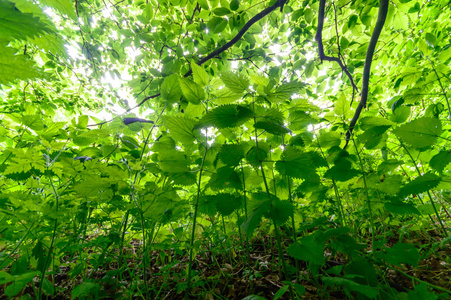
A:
(226, 116)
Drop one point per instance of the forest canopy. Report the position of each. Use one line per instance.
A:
(185, 134)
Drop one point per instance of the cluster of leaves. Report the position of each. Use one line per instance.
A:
(239, 124)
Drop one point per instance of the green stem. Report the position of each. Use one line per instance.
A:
(429, 194)
(190, 263)
(368, 201)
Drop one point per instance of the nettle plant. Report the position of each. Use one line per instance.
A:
(321, 125)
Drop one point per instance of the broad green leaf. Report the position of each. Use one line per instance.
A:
(342, 170)
(285, 91)
(373, 136)
(17, 25)
(369, 122)
(226, 204)
(86, 289)
(16, 67)
(221, 11)
(66, 7)
(401, 114)
(299, 120)
(234, 4)
(226, 116)
(420, 133)
(235, 82)
(19, 282)
(445, 54)
(296, 164)
(350, 285)
(272, 127)
(401, 208)
(181, 128)
(329, 139)
(390, 185)
(192, 91)
(217, 24)
(225, 178)
(420, 184)
(280, 211)
(199, 75)
(231, 154)
(401, 253)
(170, 89)
(308, 249)
(439, 161)
(184, 178)
(173, 162)
(224, 96)
(255, 218)
(431, 39)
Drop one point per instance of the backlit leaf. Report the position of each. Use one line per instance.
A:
(420, 133)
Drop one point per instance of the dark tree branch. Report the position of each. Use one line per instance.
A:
(216, 52)
(319, 40)
(382, 15)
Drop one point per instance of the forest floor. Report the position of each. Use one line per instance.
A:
(228, 274)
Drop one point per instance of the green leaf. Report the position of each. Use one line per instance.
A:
(224, 96)
(280, 211)
(445, 54)
(170, 89)
(285, 91)
(226, 116)
(16, 67)
(17, 25)
(281, 292)
(329, 139)
(221, 11)
(64, 6)
(308, 249)
(192, 91)
(199, 75)
(420, 184)
(231, 154)
(181, 128)
(86, 289)
(401, 253)
(420, 133)
(234, 4)
(20, 281)
(369, 122)
(296, 164)
(173, 162)
(350, 285)
(373, 136)
(226, 204)
(217, 24)
(439, 161)
(342, 170)
(299, 120)
(225, 178)
(272, 127)
(431, 39)
(401, 208)
(235, 82)
(255, 218)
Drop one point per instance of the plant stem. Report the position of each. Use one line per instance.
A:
(368, 201)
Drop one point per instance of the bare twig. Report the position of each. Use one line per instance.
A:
(319, 40)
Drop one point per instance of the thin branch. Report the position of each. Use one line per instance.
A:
(252, 21)
(319, 40)
(382, 15)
